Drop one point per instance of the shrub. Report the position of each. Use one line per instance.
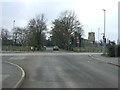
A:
(111, 50)
(118, 50)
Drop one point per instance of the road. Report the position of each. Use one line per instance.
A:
(60, 69)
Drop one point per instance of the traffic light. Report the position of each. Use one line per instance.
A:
(104, 40)
(103, 37)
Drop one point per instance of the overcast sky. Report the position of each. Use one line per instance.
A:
(89, 13)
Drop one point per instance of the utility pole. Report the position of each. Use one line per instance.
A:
(104, 38)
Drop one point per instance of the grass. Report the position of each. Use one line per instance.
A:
(18, 48)
(105, 55)
(88, 49)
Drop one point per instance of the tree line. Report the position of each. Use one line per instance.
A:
(32, 35)
(65, 30)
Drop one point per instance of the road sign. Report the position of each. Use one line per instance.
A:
(1, 36)
(78, 40)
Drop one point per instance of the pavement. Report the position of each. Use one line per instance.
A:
(10, 51)
(109, 60)
(59, 69)
(12, 75)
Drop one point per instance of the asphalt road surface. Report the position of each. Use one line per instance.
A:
(59, 69)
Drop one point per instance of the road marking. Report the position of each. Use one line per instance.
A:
(43, 53)
(17, 58)
(22, 76)
(3, 77)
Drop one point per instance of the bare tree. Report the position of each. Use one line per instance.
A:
(65, 27)
(18, 36)
(5, 37)
(36, 26)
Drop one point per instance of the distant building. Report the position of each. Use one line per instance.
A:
(91, 37)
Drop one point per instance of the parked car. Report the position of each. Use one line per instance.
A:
(55, 48)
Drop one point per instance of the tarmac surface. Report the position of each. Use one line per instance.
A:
(58, 69)
(110, 60)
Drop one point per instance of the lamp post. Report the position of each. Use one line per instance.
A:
(104, 39)
(13, 31)
(13, 23)
(98, 34)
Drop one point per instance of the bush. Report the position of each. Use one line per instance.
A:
(118, 50)
(111, 50)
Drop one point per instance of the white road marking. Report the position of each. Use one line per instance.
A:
(44, 53)
(22, 77)
(3, 77)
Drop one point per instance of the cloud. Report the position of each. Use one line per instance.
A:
(89, 13)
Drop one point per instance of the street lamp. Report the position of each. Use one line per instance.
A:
(104, 39)
(13, 31)
(104, 20)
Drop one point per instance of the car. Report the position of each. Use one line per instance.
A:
(55, 48)
(44, 47)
